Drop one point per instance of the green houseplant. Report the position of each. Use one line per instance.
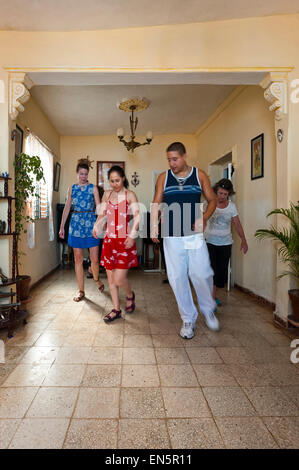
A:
(28, 171)
(288, 251)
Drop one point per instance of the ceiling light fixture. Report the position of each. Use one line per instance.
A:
(132, 105)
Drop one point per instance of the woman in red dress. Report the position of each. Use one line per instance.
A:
(119, 252)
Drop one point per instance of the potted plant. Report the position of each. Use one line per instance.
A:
(28, 171)
(288, 237)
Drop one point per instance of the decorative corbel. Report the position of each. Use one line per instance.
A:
(19, 86)
(275, 86)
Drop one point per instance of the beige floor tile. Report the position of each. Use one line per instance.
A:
(185, 403)
(139, 356)
(138, 341)
(105, 356)
(166, 328)
(27, 375)
(105, 375)
(140, 376)
(284, 374)
(64, 375)
(37, 433)
(292, 391)
(214, 375)
(194, 433)
(271, 401)
(141, 403)
(102, 339)
(137, 329)
(266, 354)
(223, 339)
(235, 355)
(14, 354)
(285, 431)
(24, 338)
(97, 403)
(40, 355)
(203, 356)
(200, 340)
(252, 375)
(92, 434)
(228, 401)
(53, 402)
(168, 341)
(245, 433)
(178, 375)
(14, 402)
(69, 355)
(143, 434)
(171, 356)
(5, 371)
(8, 428)
(51, 338)
(116, 327)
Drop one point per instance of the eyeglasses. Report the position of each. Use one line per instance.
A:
(225, 186)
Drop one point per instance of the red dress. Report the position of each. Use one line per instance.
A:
(114, 253)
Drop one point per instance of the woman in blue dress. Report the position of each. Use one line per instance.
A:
(83, 196)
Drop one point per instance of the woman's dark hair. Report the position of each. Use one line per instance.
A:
(101, 191)
(82, 165)
(226, 184)
(120, 171)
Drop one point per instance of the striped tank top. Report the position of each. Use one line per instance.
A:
(181, 204)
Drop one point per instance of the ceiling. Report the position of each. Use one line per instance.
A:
(92, 110)
(86, 103)
(76, 15)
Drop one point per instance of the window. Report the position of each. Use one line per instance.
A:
(40, 207)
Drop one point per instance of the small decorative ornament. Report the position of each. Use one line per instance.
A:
(280, 135)
(135, 181)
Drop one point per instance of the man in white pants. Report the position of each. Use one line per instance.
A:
(179, 190)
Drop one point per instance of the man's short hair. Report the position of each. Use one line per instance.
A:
(176, 147)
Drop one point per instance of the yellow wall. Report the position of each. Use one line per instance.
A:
(108, 148)
(271, 42)
(45, 255)
(245, 118)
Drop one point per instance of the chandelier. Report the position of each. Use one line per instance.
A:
(132, 105)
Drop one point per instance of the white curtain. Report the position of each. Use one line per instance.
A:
(34, 147)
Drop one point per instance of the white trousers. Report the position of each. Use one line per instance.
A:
(188, 257)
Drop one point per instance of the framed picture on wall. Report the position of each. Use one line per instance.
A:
(57, 170)
(257, 157)
(102, 173)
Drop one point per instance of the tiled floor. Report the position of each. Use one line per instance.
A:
(71, 381)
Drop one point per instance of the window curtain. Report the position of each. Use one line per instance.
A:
(41, 207)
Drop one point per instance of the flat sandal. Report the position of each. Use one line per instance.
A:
(80, 296)
(108, 318)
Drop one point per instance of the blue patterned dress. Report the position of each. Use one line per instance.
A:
(83, 217)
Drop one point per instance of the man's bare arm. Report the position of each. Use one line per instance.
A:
(158, 198)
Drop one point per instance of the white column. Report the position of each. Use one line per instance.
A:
(276, 93)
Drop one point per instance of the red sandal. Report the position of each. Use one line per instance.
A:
(108, 318)
(132, 306)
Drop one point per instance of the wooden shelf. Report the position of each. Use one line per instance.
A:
(7, 234)
(3, 295)
(7, 197)
(4, 178)
(10, 282)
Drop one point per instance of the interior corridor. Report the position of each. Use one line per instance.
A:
(72, 381)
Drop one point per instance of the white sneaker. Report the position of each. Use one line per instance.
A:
(187, 330)
(212, 322)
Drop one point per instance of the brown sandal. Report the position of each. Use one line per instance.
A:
(101, 287)
(80, 296)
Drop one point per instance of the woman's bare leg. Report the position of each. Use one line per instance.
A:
(78, 255)
(120, 278)
(113, 289)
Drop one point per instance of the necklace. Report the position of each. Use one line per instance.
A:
(181, 180)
